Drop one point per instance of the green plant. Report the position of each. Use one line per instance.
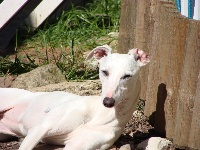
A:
(65, 41)
(83, 25)
(72, 66)
(15, 67)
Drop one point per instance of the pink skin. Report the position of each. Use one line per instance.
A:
(67, 119)
(140, 55)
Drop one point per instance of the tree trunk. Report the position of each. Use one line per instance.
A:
(127, 25)
(188, 86)
(195, 125)
(169, 82)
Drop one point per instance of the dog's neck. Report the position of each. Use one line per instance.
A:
(122, 112)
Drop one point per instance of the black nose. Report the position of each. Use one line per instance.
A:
(108, 102)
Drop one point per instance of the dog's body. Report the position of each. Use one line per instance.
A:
(78, 122)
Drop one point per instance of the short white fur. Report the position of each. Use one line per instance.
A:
(78, 122)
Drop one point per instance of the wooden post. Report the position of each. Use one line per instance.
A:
(169, 82)
(167, 53)
(127, 25)
(135, 30)
(195, 125)
(143, 36)
(188, 86)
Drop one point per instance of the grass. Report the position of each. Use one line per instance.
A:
(15, 67)
(65, 41)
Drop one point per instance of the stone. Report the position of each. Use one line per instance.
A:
(113, 148)
(83, 88)
(155, 143)
(6, 82)
(41, 76)
(125, 147)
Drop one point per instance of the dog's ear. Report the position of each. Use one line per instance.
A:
(140, 56)
(99, 52)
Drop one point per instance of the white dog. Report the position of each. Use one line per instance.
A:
(78, 122)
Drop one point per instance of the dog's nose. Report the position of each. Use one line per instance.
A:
(108, 102)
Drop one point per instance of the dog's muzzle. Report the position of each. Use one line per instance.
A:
(108, 102)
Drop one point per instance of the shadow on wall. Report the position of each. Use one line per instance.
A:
(159, 124)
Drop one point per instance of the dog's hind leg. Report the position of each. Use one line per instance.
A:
(6, 132)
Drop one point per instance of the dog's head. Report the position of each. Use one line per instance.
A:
(117, 72)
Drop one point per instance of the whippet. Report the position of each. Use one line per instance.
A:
(78, 122)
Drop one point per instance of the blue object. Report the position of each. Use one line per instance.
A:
(178, 5)
(190, 9)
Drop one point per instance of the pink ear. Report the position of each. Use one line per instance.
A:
(99, 52)
(140, 56)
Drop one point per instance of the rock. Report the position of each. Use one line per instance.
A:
(6, 82)
(125, 147)
(113, 148)
(89, 87)
(44, 75)
(114, 34)
(155, 143)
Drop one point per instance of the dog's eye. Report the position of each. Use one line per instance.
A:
(126, 76)
(105, 72)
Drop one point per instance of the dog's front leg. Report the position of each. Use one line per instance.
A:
(33, 137)
(87, 137)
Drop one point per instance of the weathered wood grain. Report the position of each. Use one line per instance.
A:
(170, 83)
